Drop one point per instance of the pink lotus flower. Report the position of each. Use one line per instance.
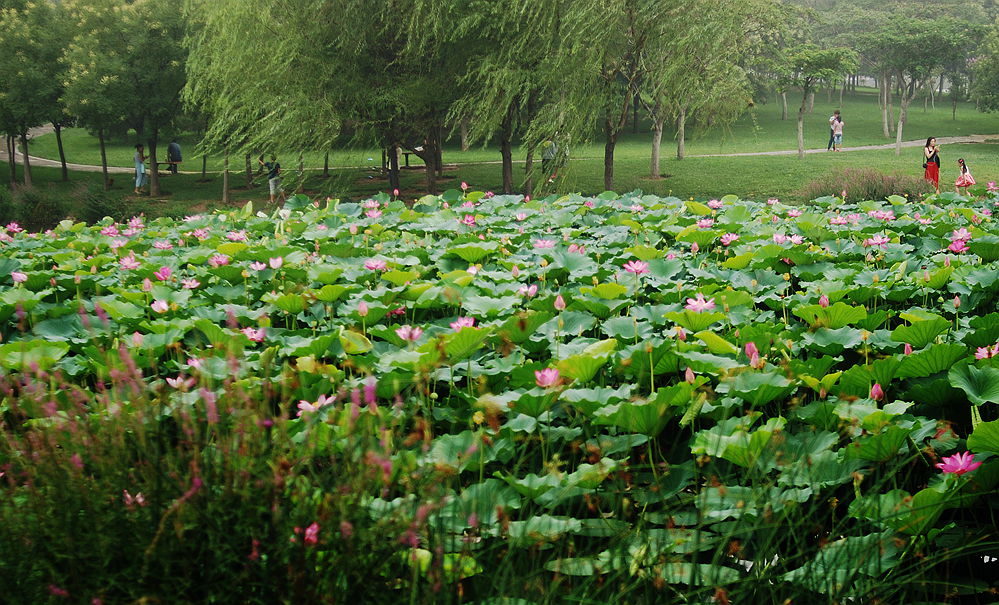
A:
(528, 291)
(14, 227)
(254, 334)
(190, 284)
(18, 277)
(992, 187)
(877, 240)
(699, 305)
(468, 204)
(960, 234)
(705, 223)
(468, 220)
(636, 208)
(577, 249)
(464, 185)
(201, 233)
(957, 301)
(129, 262)
(520, 216)
(688, 375)
(369, 203)
(362, 309)
(136, 222)
(305, 407)
(681, 334)
(180, 382)
(395, 192)
(373, 213)
(752, 350)
(160, 306)
(164, 273)
(218, 260)
(694, 248)
(907, 349)
(779, 238)
(637, 267)
(958, 246)
(375, 264)
(958, 464)
(162, 244)
(463, 322)
(236, 236)
(547, 378)
(796, 239)
(772, 201)
(409, 333)
(110, 231)
(715, 204)
(794, 213)
(559, 303)
(544, 243)
(877, 393)
(147, 285)
(275, 263)
(728, 238)
(838, 220)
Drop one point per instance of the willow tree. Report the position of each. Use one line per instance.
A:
(301, 79)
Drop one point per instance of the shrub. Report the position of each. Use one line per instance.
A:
(7, 213)
(90, 203)
(866, 184)
(36, 209)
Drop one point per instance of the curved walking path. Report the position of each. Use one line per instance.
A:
(971, 138)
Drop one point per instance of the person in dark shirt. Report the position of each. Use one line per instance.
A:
(273, 177)
(173, 155)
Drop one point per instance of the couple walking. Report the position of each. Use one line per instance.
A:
(931, 168)
(835, 132)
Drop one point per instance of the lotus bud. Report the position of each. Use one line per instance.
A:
(559, 303)
(751, 350)
(688, 375)
(823, 301)
(681, 334)
(957, 302)
(907, 349)
(877, 393)
(362, 309)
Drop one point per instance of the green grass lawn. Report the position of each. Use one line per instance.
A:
(701, 177)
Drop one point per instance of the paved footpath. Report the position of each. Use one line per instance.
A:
(972, 138)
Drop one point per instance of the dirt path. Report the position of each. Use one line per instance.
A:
(972, 138)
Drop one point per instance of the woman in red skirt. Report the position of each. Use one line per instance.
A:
(931, 162)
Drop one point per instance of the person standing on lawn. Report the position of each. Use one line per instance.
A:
(141, 178)
(173, 155)
(931, 162)
(838, 133)
(273, 177)
(832, 120)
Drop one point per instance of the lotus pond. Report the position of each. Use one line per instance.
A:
(482, 398)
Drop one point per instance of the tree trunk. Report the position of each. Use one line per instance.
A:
(248, 170)
(655, 170)
(62, 154)
(953, 107)
(783, 110)
(204, 168)
(11, 160)
(842, 90)
(439, 150)
(27, 162)
(529, 171)
(104, 159)
(883, 101)
(681, 134)
(154, 167)
(506, 151)
(326, 165)
(801, 126)
(609, 142)
(811, 101)
(933, 99)
(225, 179)
(463, 130)
(940, 85)
(902, 115)
(393, 167)
(301, 172)
(634, 127)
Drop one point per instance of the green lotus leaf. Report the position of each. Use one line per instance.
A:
(231, 249)
(693, 321)
(398, 278)
(290, 303)
(698, 574)
(473, 253)
(489, 306)
(606, 291)
(575, 566)
(716, 344)
(833, 342)
(834, 316)
(645, 253)
(933, 359)
(354, 343)
(758, 388)
(627, 328)
(583, 366)
(985, 437)
(986, 247)
(980, 384)
(920, 333)
(544, 528)
(821, 470)
(881, 447)
(23, 355)
(522, 325)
